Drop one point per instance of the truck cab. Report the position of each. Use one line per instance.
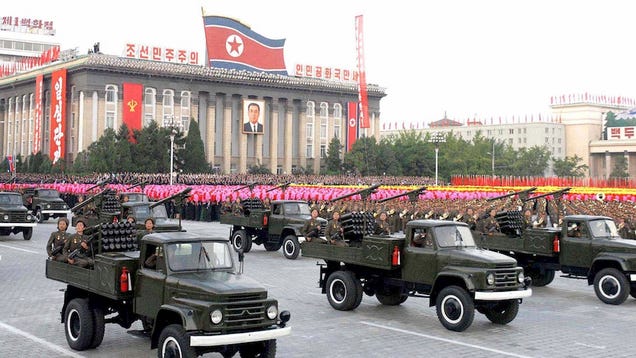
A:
(45, 203)
(14, 216)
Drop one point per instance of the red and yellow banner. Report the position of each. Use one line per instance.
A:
(58, 115)
(133, 100)
(37, 125)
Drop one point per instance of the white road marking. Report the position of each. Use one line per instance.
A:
(40, 341)
(451, 341)
(589, 345)
(19, 249)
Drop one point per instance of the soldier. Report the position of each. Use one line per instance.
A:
(623, 229)
(226, 207)
(382, 226)
(267, 204)
(490, 223)
(334, 231)
(311, 229)
(237, 207)
(57, 240)
(77, 249)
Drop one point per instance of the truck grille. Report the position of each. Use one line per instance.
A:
(57, 206)
(244, 315)
(506, 278)
(247, 297)
(17, 216)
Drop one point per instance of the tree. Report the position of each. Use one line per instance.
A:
(531, 161)
(195, 161)
(363, 156)
(569, 167)
(620, 168)
(102, 154)
(124, 150)
(334, 152)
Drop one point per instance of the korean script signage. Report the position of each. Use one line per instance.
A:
(326, 73)
(620, 133)
(58, 115)
(163, 54)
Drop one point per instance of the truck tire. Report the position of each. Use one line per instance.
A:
(455, 308)
(174, 342)
(391, 296)
(502, 312)
(272, 246)
(38, 215)
(343, 291)
(539, 279)
(79, 324)
(611, 286)
(27, 233)
(265, 349)
(99, 327)
(240, 241)
(291, 247)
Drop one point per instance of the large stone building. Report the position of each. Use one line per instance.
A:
(300, 115)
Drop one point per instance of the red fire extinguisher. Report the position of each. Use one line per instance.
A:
(556, 245)
(395, 258)
(123, 280)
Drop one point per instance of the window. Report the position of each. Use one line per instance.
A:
(150, 104)
(309, 128)
(511, 131)
(324, 115)
(185, 111)
(111, 106)
(323, 151)
(168, 108)
(337, 120)
(547, 130)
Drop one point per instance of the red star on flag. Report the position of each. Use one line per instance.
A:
(235, 45)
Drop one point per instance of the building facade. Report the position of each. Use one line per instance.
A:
(300, 115)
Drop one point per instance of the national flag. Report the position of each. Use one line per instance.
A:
(232, 45)
(352, 124)
(11, 163)
(132, 103)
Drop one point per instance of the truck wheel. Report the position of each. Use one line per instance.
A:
(27, 233)
(265, 349)
(291, 247)
(79, 324)
(272, 247)
(240, 241)
(455, 308)
(173, 342)
(539, 279)
(611, 286)
(38, 215)
(391, 296)
(100, 327)
(502, 312)
(343, 293)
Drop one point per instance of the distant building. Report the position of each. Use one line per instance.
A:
(24, 38)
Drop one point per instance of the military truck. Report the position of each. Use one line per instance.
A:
(274, 228)
(187, 290)
(447, 267)
(15, 217)
(156, 210)
(44, 203)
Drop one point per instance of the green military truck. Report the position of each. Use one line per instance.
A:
(447, 267)
(187, 290)
(584, 247)
(45, 203)
(15, 217)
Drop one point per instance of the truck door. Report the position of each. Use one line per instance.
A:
(277, 219)
(150, 282)
(420, 262)
(576, 245)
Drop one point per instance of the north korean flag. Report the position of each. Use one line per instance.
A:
(232, 45)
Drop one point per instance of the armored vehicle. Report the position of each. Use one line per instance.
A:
(44, 203)
(14, 216)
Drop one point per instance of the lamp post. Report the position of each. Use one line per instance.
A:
(493, 159)
(172, 134)
(437, 138)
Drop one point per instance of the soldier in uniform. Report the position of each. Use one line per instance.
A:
(226, 207)
(237, 207)
(334, 231)
(623, 228)
(382, 226)
(311, 229)
(57, 240)
(78, 243)
(490, 223)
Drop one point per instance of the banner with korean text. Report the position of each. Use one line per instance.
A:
(58, 115)
(133, 100)
(37, 120)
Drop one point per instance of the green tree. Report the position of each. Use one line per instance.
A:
(334, 152)
(531, 161)
(569, 167)
(363, 156)
(620, 168)
(124, 150)
(387, 161)
(102, 154)
(194, 161)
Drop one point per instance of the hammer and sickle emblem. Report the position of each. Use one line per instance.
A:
(132, 104)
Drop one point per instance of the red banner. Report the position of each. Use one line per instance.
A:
(11, 164)
(58, 115)
(133, 100)
(362, 78)
(352, 124)
(37, 125)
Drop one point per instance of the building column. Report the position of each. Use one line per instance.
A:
(289, 134)
(273, 137)
(242, 138)
(608, 163)
(302, 135)
(227, 133)
(209, 134)
(80, 123)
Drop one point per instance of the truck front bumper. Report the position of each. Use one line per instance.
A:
(220, 340)
(18, 224)
(502, 295)
(51, 212)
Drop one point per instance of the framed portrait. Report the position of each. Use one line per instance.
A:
(253, 116)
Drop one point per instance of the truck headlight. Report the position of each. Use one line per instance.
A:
(28, 217)
(521, 277)
(216, 316)
(48, 206)
(490, 279)
(6, 217)
(272, 312)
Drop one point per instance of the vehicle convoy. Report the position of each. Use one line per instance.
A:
(15, 217)
(583, 247)
(435, 259)
(279, 226)
(44, 203)
(187, 290)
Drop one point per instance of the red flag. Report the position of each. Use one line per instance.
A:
(352, 124)
(11, 163)
(37, 125)
(58, 115)
(132, 103)
(232, 45)
(362, 77)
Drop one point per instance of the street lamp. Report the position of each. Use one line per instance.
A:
(172, 134)
(493, 159)
(437, 138)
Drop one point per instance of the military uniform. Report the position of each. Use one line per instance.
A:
(334, 233)
(226, 208)
(84, 256)
(56, 242)
(311, 230)
(382, 227)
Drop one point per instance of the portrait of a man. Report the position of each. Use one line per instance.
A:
(253, 117)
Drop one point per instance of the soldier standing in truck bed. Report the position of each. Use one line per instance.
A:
(334, 231)
(57, 240)
(79, 242)
(311, 229)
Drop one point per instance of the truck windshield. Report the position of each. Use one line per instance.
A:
(196, 256)
(48, 193)
(11, 199)
(603, 228)
(454, 236)
(297, 209)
